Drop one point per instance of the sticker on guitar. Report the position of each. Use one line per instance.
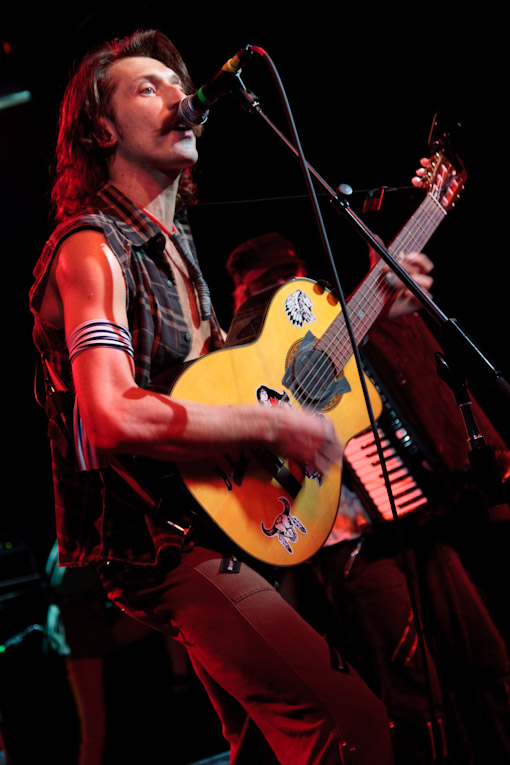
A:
(299, 308)
(284, 527)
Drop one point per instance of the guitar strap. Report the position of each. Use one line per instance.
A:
(57, 403)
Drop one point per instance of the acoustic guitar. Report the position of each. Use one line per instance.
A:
(301, 356)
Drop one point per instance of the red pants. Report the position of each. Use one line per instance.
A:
(259, 662)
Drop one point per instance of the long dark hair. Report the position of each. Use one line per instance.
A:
(82, 160)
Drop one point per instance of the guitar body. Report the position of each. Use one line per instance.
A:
(281, 516)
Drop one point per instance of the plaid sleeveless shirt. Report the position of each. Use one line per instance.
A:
(92, 526)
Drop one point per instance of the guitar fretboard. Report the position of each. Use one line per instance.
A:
(367, 302)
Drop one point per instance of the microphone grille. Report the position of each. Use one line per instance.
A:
(190, 115)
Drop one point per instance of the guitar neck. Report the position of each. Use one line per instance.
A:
(369, 299)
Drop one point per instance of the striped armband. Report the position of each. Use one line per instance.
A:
(99, 334)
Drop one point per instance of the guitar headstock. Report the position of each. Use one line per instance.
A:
(445, 174)
(444, 178)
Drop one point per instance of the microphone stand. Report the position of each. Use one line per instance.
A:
(450, 327)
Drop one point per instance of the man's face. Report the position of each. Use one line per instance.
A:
(145, 128)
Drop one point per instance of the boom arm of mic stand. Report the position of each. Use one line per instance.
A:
(455, 337)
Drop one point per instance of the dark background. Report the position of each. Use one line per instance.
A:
(364, 85)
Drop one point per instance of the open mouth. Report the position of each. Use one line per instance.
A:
(179, 127)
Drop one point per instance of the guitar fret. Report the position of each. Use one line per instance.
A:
(425, 221)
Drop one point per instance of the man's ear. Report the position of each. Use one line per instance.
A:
(104, 135)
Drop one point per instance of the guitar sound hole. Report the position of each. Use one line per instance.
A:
(313, 376)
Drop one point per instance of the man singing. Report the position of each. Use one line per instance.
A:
(119, 298)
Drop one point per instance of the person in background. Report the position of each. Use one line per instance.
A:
(85, 629)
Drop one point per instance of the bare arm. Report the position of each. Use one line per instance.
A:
(119, 416)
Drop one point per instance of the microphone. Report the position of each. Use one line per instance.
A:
(194, 109)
